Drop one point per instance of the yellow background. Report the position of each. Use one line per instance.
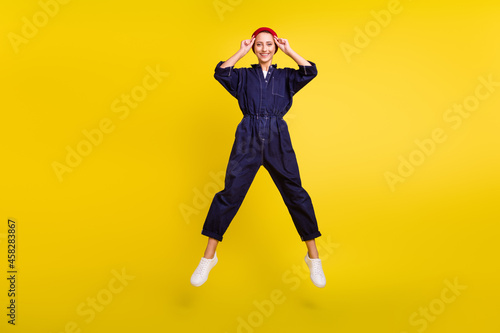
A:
(390, 251)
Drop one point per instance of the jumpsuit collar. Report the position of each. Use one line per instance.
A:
(269, 70)
(258, 65)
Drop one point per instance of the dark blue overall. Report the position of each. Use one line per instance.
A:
(262, 138)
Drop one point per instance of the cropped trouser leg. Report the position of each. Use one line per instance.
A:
(244, 162)
(281, 162)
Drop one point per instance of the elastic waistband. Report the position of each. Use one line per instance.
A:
(264, 116)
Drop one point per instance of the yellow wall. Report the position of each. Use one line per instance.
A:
(397, 142)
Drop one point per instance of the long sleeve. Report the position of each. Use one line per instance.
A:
(298, 78)
(229, 77)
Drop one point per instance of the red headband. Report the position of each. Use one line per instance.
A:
(264, 29)
(258, 31)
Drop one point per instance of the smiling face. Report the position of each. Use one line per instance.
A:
(264, 46)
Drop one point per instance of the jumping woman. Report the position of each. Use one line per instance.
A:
(264, 93)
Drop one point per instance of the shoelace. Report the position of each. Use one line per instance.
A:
(203, 266)
(316, 267)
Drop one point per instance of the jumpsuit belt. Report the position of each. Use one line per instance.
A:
(265, 116)
(262, 124)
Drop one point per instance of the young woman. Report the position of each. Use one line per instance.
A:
(264, 94)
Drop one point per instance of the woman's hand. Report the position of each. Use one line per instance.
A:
(246, 45)
(283, 45)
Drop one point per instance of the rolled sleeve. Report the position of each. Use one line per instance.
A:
(308, 70)
(228, 77)
(299, 78)
(223, 71)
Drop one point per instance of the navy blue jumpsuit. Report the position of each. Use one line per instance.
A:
(262, 138)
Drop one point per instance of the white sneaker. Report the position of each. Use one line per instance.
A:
(316, 269)
(200, 274)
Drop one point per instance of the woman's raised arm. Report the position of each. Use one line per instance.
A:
(246, 45)
(284, 46)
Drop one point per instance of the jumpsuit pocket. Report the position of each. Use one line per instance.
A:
(278, 87)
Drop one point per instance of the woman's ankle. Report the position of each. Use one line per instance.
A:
(209, 254)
